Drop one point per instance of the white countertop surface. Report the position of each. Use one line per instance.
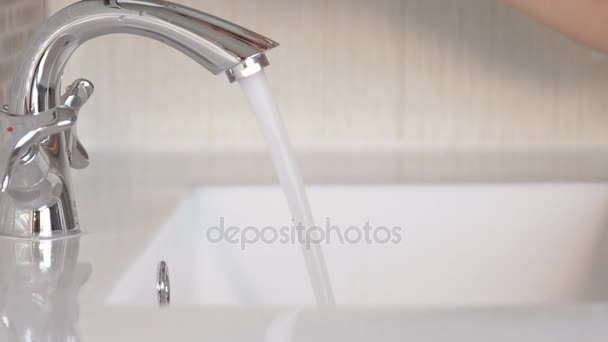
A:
(123, 199)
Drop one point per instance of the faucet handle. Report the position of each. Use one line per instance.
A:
(75, 97)
(19, 133)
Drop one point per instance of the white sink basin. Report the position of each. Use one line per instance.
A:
(462, 245)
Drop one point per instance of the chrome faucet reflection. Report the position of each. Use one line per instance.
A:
(39, 139)
(39, 289)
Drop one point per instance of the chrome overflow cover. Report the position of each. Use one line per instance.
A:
(163, 286)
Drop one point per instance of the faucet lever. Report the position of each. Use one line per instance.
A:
(19, 133)
(75, 97)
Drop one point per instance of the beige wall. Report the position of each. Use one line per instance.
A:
(18, 18)
(433, 73)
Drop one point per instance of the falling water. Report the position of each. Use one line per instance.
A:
(270, 121)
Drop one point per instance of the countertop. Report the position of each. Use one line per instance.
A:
(124, 198)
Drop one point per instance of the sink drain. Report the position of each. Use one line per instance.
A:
(163, 287)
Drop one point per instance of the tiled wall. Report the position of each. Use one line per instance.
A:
(18, 19)
(463, 74)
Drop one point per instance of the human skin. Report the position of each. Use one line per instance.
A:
(584, 20)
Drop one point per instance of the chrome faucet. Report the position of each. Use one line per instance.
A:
(38, 138)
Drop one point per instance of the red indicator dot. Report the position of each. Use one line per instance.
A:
(10, 129)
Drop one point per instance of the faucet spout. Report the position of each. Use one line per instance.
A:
(214, 43)
(40, 203)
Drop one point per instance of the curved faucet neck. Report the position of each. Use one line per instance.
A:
(214, 43)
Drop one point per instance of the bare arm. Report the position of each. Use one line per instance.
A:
(583, 20)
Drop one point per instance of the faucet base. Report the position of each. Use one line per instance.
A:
(23, 218)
